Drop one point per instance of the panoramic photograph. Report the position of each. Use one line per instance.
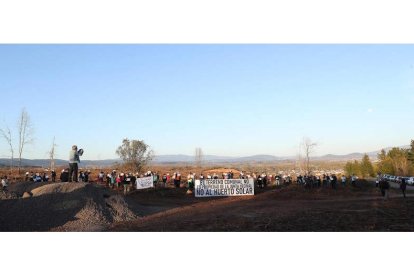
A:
(206, 138)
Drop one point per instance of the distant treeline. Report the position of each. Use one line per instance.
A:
(397, 161)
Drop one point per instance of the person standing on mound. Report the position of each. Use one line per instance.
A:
(73, 164)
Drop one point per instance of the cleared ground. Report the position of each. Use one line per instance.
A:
(92, 207)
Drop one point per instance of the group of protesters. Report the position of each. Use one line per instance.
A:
(127, 181)
(83, 176)
(325, 181)
(124, 181)
(40, 177)
(384, 186)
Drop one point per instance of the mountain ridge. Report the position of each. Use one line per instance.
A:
(182, 158)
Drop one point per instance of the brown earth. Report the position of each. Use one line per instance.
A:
(288, 209)
(93, 207)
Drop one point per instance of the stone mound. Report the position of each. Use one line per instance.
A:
(66, 207)
(57, 188)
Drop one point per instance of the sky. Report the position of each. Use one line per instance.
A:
(230, 100)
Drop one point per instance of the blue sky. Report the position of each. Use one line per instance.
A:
(233, 100)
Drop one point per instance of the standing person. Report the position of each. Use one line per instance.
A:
(260, 182)
(174, 178)
(108, 179)
(177, 180)
(264, 179)
(353, 180)
(64, 176)
(101, 177)
(113, 181)
(87, 173)
(324, 181)
(403, 186)
(4, 183)
(118, 182)
(81, 176)
(126, 183)
(164, 180)
(73, 164)
(190, 183)
(384, 186)
(343, 181)
(45, 177)
(334, 181)
(133, 181)
(378, 180)
(277, 180)
(155, 179)
(53, 176)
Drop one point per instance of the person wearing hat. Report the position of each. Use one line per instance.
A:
(73, 164)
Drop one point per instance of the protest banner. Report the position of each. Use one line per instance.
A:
(145, 183)
(224, 187)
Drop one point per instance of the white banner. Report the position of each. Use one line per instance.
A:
(224, 187)
(145, 183)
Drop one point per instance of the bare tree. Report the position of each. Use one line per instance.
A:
(52, 155)
(308, 148)
(6, 134)
(26, 131)
(199, 157)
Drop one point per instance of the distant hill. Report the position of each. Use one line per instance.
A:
(59, 162)
(212, 159)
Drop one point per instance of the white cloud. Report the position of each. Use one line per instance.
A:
(370, 110)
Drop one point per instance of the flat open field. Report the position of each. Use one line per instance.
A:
(93, 207)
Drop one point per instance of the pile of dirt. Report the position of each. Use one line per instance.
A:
(220, 171)
(57, 188)
(65, 207)
(7, 195)
(93, 207)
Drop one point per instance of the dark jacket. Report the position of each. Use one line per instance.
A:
(384, 185)
(403, 184)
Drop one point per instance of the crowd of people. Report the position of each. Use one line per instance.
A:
(128, 181)
(118, 180)
(40, 177)
(384, 186)
(45, 176)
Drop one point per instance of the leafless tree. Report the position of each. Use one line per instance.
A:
(6, 134)
(199, 157)
(52, 155)
(26, 131)
(308, 148)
